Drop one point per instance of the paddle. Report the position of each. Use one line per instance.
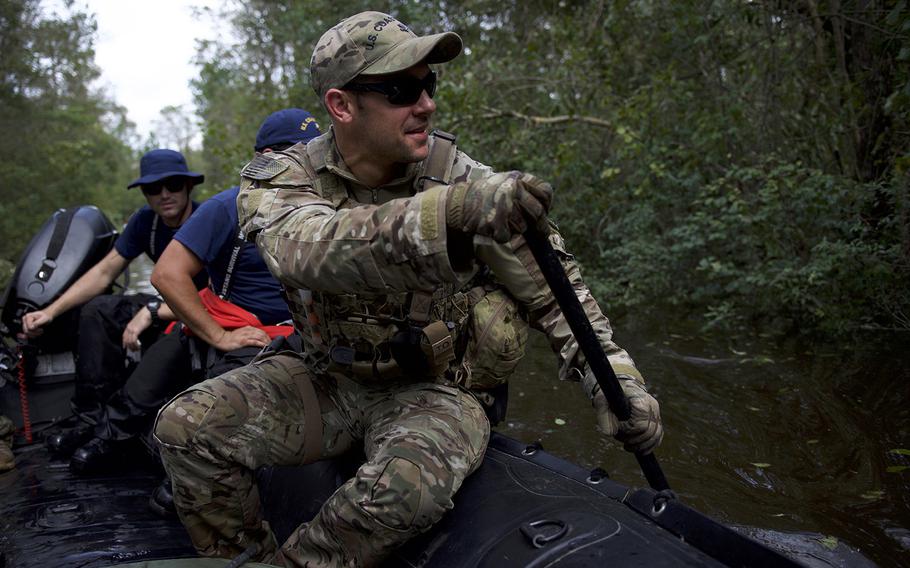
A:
(587, 340)
(706, 534)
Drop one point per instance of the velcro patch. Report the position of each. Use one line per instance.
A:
(263, 167)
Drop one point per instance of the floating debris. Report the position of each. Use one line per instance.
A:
(761, 465)
(560, 422)
(873, 495)
(829, 542)
(759, 360)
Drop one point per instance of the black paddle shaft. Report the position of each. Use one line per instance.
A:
(562, 289)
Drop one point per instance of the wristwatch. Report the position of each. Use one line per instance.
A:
(152, 306)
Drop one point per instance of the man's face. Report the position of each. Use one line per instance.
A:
(168, 198)
(394, 133)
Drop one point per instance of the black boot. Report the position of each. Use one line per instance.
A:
(63, 444)
(162, 499)
(97, 456)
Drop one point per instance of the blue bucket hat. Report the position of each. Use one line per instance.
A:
(286, 126)
(156, 165)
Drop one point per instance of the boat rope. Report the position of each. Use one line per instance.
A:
(23, 397)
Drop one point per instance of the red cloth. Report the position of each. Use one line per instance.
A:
(231, 316)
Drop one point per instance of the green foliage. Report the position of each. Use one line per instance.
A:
(742, 162)
(62, 143)
(265, 69)
(703, 165)
(776, 243)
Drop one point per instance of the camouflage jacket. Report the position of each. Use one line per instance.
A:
(348, 255)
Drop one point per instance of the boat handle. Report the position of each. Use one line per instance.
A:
(540, 538)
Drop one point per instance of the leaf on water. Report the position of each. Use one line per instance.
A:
(873, 495)
(560, 422)
(829, 542)
(900, 451)
(897, 468)
(762, 464)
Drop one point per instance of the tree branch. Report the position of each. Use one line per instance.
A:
(545, 120)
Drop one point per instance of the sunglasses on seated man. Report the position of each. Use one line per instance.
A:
(400, 91)
(173, 185)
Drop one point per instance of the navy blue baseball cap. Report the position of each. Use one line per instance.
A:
(286, 126)
(156, 165)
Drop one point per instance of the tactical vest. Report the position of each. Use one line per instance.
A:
(415, 335)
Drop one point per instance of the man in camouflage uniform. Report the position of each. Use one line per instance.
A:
(381, 276)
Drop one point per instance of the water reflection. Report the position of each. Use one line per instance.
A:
(788, 437)
(140, 271)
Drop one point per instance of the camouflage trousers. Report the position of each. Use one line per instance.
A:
(7, 429)
(421, 441)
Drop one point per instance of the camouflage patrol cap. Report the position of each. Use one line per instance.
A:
(373, 43)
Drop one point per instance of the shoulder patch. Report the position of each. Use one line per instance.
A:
(263, 167)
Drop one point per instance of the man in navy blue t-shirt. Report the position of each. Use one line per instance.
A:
(109, 325)
(241, 283)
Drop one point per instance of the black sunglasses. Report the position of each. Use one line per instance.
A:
(400, 91)
(173, 185)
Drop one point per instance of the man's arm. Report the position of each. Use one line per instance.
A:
(142, 321)
(307, 242)
(173, 277)
(513, 264)
(92, 283)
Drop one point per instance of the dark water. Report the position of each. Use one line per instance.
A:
(790, 437)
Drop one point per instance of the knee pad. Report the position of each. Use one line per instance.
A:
(406, 496)
(180, 420)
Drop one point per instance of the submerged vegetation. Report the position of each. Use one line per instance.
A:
(739, 163)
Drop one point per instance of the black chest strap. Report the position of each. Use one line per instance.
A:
(232, 265)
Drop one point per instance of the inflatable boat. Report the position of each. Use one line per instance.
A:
(523, 507)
